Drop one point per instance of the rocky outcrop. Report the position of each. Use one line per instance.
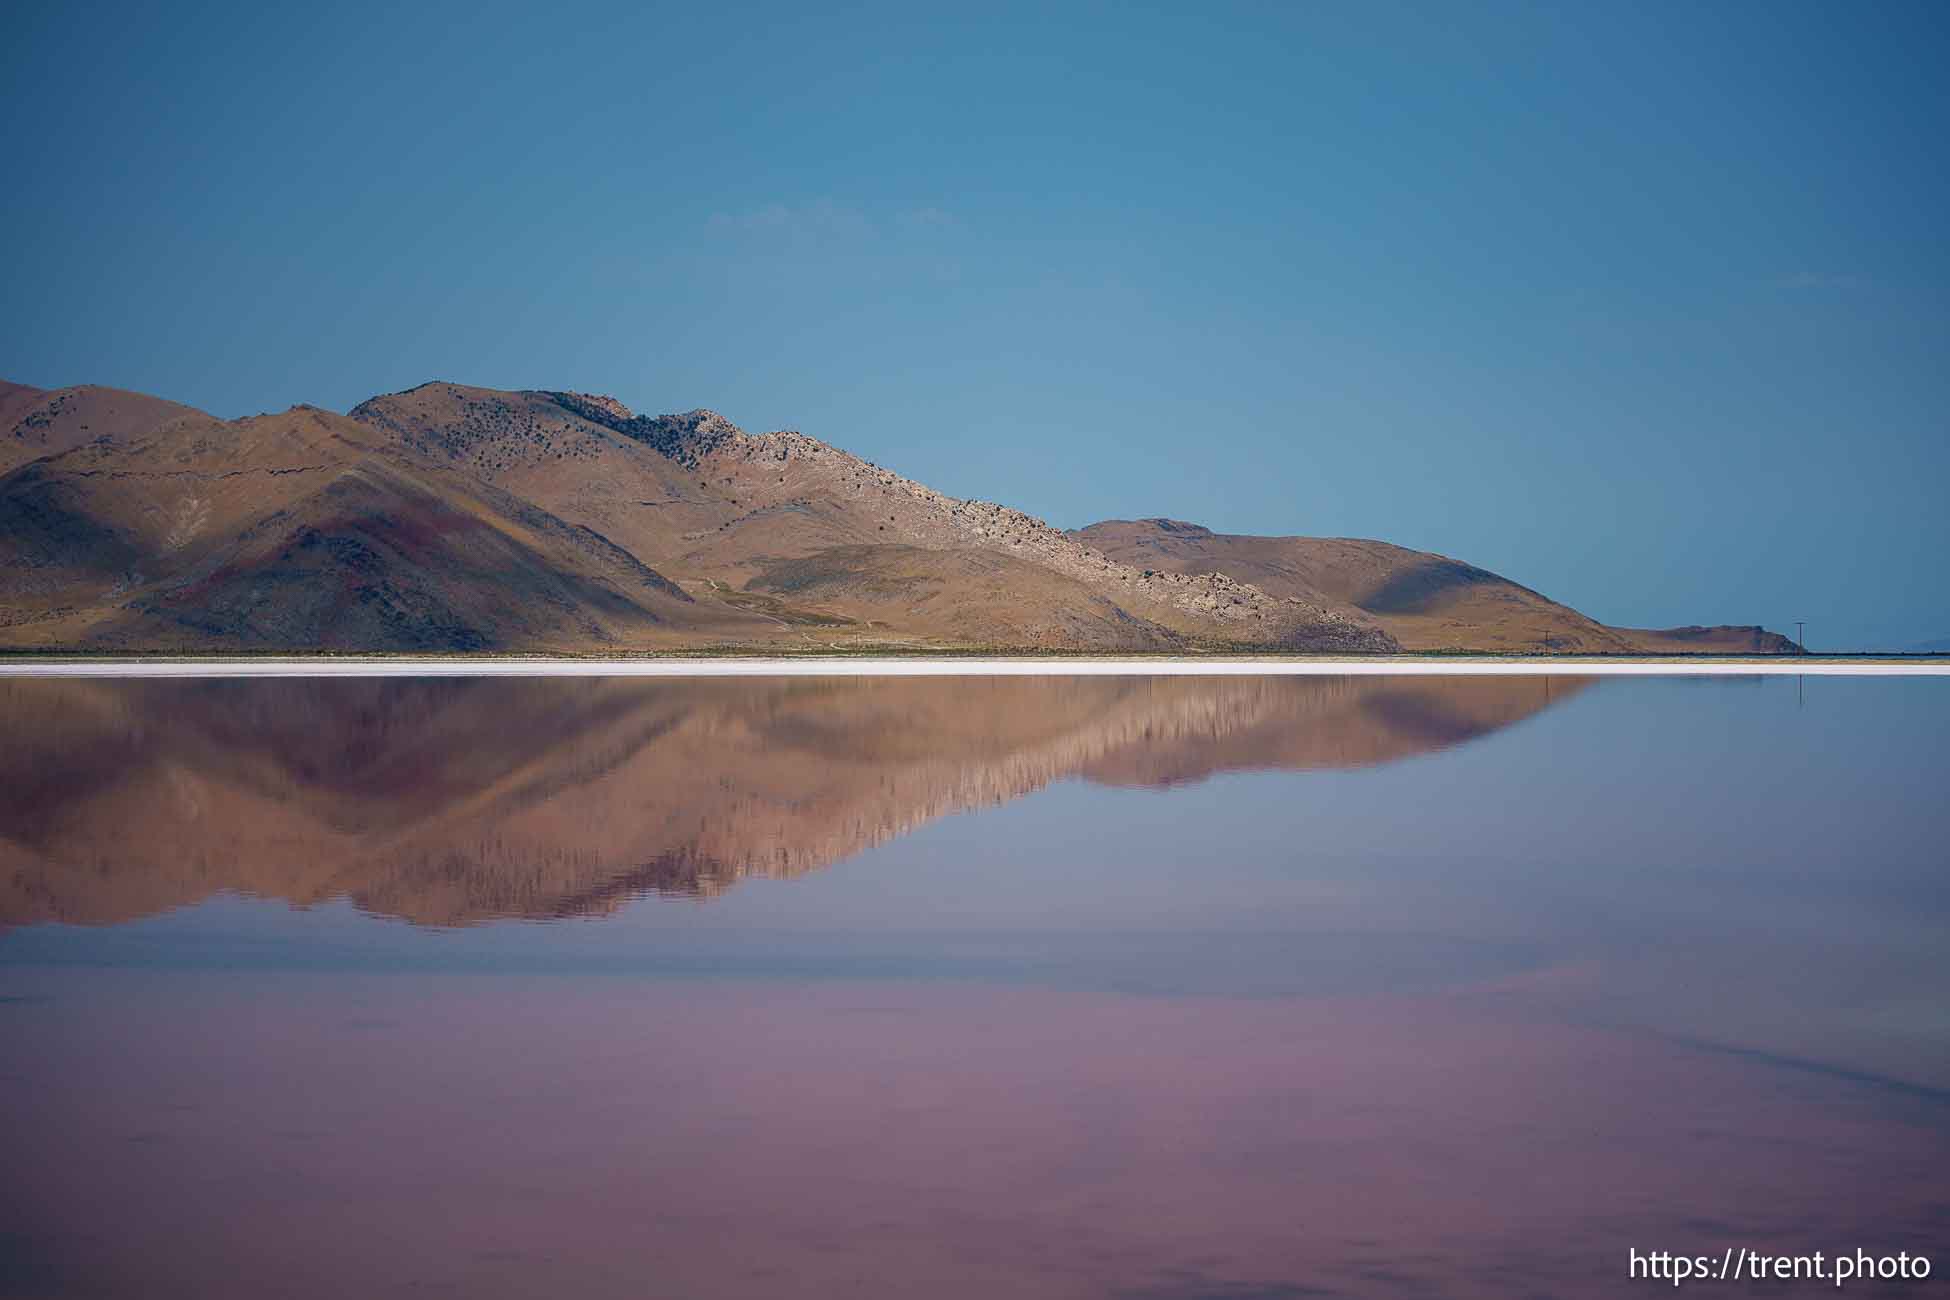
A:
(917, 514)
(1426, 601)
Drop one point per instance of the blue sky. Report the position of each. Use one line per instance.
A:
(1645, 305)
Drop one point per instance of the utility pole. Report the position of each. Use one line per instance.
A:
(1801, 634)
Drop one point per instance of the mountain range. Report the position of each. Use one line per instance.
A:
(454, 519)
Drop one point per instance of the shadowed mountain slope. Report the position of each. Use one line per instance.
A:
(1426, 601)
(306, 530)
(447, 801)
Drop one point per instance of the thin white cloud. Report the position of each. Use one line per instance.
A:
(1821, 280)
(926, 217)
(835, 221)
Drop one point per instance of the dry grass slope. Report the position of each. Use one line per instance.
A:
(1425, 601)
(36, 422)
(308, 530)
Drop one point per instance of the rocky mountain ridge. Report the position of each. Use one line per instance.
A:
(703, 439)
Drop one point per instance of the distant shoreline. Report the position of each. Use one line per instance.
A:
(947, 664)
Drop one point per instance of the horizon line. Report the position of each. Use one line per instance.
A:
(947, 665)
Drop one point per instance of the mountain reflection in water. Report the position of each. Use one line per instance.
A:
(1660, 970)
(451, 801)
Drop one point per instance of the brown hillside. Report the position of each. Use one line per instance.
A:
(16, 400)
(307, 530)
(457, 518)
(1426, 601)
(1724, 639)
(535, 447)
(720, 510)
(36, 422)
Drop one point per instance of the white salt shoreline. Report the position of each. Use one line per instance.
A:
(950, 666)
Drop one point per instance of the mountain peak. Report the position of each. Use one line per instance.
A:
(683, 437)
(1178, 526)
(701, 422)
(595, 402)
(595, 408)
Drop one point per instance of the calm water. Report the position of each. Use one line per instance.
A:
(1149, 988)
